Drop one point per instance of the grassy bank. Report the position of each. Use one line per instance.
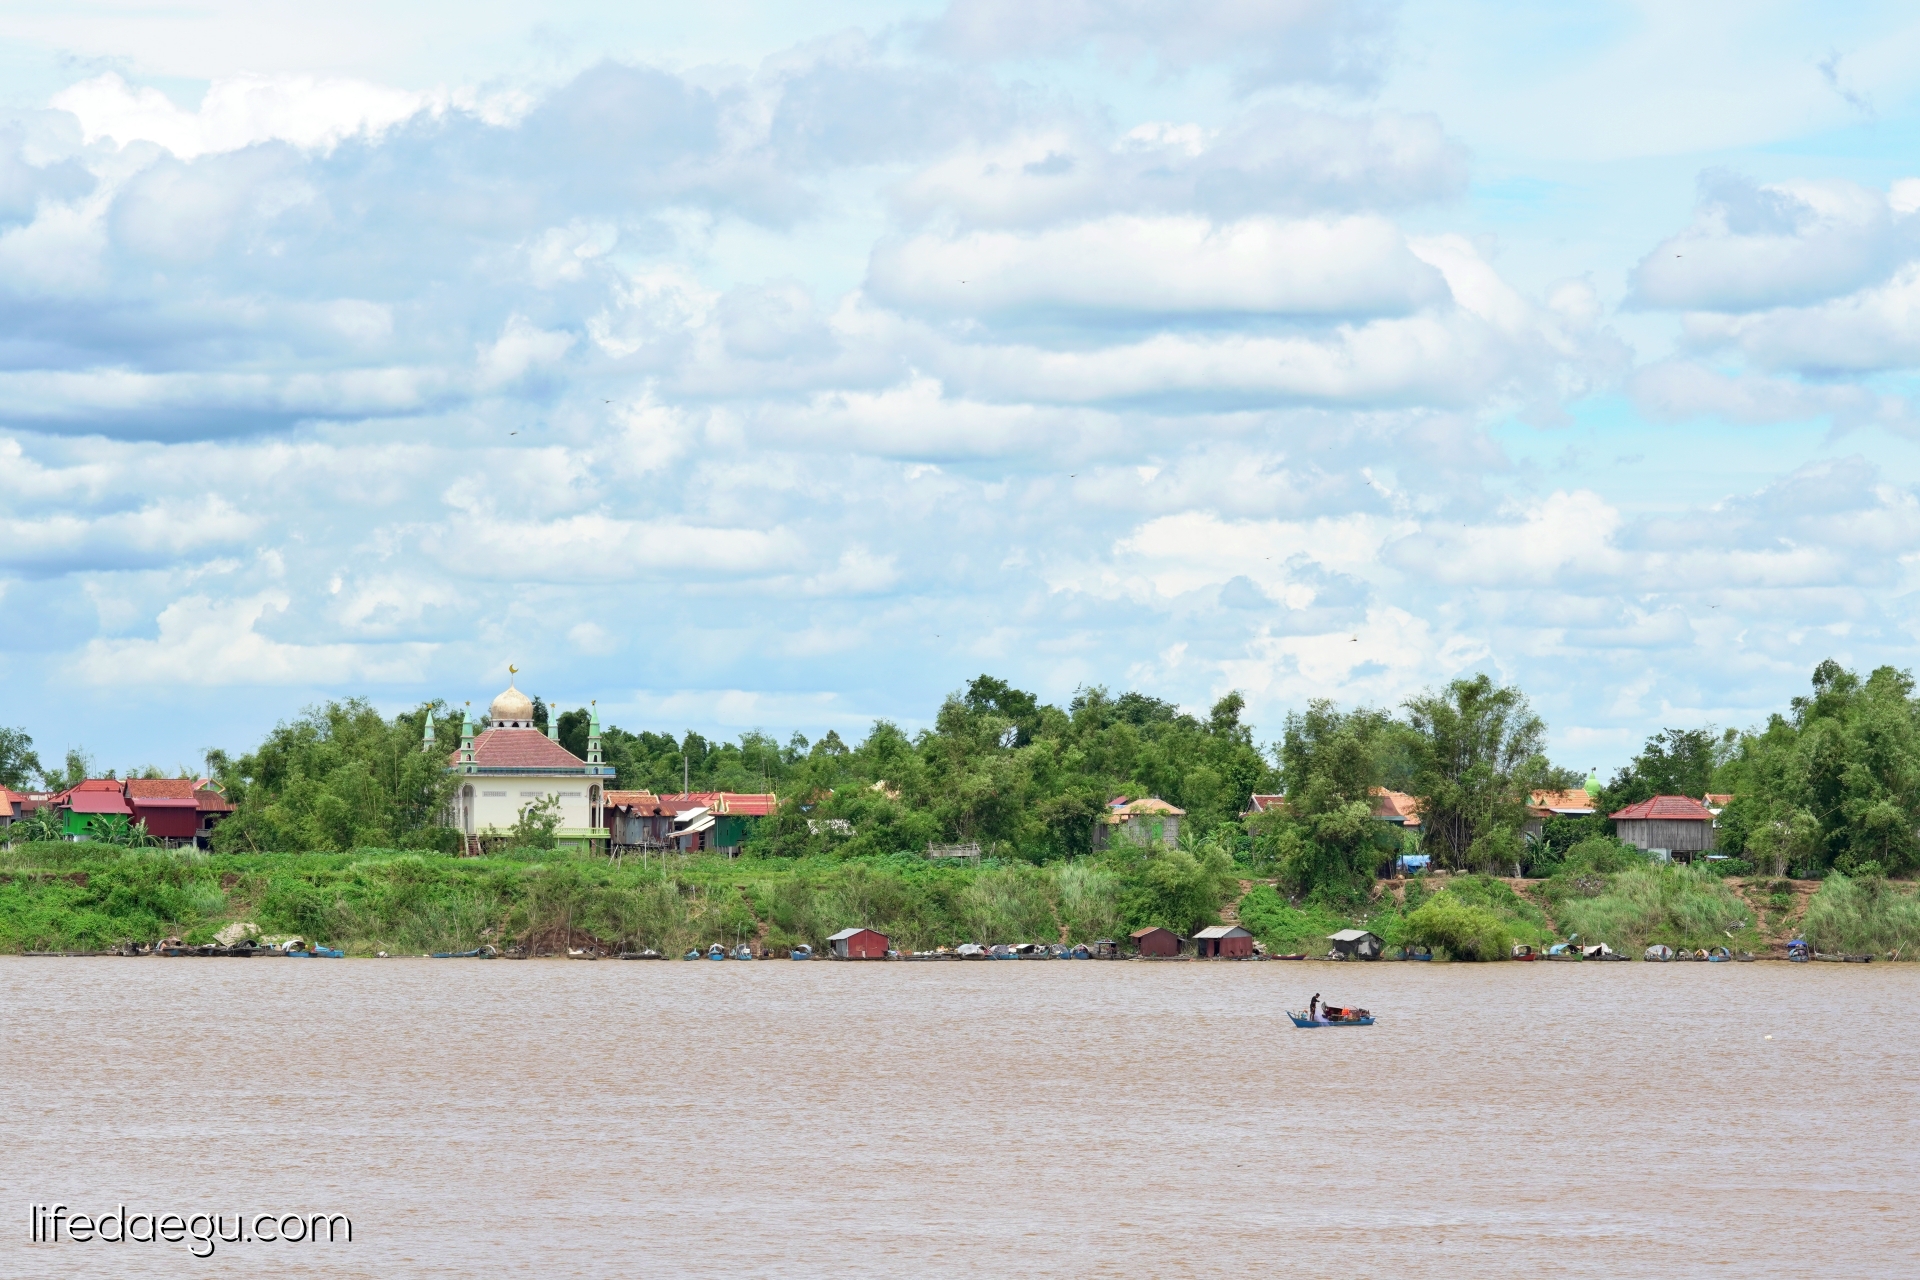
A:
(59, 896)
(82, 897)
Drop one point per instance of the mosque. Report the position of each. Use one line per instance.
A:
(512, 765)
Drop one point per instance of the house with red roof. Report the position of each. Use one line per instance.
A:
(511, 766)
(1676, 827)
(81, 803)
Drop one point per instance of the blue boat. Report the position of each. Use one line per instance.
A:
(716, 952)
(691, 955)
(801, 952)
(1302, 1020)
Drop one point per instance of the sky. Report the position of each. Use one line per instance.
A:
(780, 367)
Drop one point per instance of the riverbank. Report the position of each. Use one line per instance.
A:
(88, 897)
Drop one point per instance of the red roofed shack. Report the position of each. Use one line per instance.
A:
(1155, 941)
(1675, 826)
(167, 805)
(1224, 941)
(857, 944)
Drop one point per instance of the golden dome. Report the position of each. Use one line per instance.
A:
(512, 709)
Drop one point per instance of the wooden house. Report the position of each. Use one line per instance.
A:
(1155, 941)
(1149, 821)
(1678, 827)
(857, 944)
(1224, 942)
(168, 806)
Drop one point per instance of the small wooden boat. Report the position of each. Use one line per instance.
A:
(801, 952)
(1521, 951)
(743, 952)
(648, 954)
(1659, 953)
(1363, 1019)
(716, 952)
(691, 955)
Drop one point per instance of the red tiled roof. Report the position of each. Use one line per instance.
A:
(161, 793)
(1563, 800)
(1721, 798)
(1666, 809)
(1257, 803)
(520, 749)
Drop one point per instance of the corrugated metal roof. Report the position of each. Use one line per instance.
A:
(844, 934)
(1351, 935)
(1152, 928)
(208, 800)
(1223, 931)
(1665, 809)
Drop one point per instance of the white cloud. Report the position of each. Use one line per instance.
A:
(240, 111)
(1311, 40)
(1753, 246)
(203, 641)
(521, 348)
(1163, 266)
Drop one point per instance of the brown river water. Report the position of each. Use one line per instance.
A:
(638, 1119)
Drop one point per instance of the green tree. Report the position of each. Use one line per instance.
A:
(343, 777)
(1674, 762)
(1328, 842)
(537, 825)
(19, 766)
(1479, 749)
(1835, 782)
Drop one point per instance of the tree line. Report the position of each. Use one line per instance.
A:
(1832, 782)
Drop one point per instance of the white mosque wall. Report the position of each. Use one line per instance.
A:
(497, 802)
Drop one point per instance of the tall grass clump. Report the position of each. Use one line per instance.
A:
(1679, 906)
(1863, 916)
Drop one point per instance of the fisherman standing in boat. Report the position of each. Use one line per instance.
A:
(1313, 1009)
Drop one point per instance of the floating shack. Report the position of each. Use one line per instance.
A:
(1356, 944)
(1223, 941)
(857, 944)
(1106, 949)
(1155, 941)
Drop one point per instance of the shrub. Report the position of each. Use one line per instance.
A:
(1462, 930)
(1286, 929)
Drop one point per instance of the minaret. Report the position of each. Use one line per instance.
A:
(593, 736)
(466, 740)
(426, 743)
